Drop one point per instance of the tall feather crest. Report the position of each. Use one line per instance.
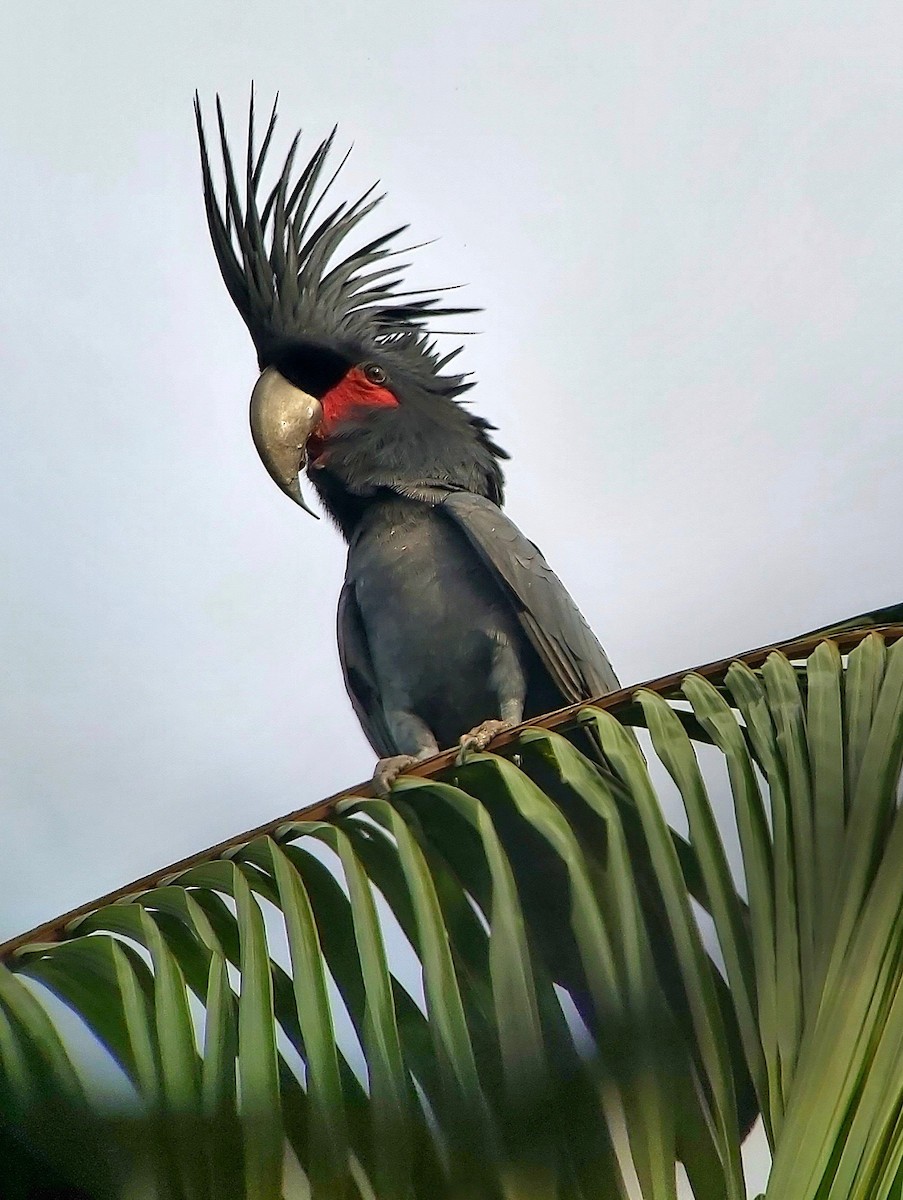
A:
(281, 265)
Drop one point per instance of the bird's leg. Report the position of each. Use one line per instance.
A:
(510, 684)
(407, 729)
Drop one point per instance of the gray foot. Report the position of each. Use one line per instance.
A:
(388, 770)
(479, 738)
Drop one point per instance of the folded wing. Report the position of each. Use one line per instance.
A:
(551, 620)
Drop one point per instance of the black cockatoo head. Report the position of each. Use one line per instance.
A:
(352, 384)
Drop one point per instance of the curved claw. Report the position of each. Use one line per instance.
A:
(466, 746)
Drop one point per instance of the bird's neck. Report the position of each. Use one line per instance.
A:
(388, 511)
(353, 511)
(416, 453)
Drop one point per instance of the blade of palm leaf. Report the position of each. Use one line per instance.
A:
(359, 964)
(175, 1031)
(516, 1009)
(697, 1145)
(332, 911)
(336, 930)
(389, 1089)
(650, 1128)
(456, 840)
(190, 935)
(872, 806)
(189, 949)
(826, 1082)
(513, 990)
(703, 1162)
(206, 881)
(588, 1164)
(623, 753)
(466, 932)
(178, 902)
(139, 1020)
(127, 919)
(60, 1077)
(218, 1082)
(877, 1107)
(209, 898)
(258, 1070)
(853, 1002)
(131, 921)
(467, 936)
(519, 1033)
(888, 1182)
(541, 873)
(502, 782)
(17, 1080)
(676, 753)
(825, 731)
(379, 857)
(217, 928)
(632, 715)
(327, 1164)
(465, 1115)
(201, 885)
(469, 943)
(652, 1059)
(590, 830)
(585, 1138)
(749, 696)
(718, 718)
(294, 1119)
(782, 686)
(603, 817)
(864, 676)
(84, 974)
(335, 923)
(180, 1077)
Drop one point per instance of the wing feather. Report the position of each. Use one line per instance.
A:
(360, 680)
(551, 620)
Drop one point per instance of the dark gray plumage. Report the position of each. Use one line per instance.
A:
(451, 616)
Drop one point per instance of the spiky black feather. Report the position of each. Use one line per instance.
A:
(283, 271)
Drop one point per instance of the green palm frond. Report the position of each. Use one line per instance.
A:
(499, 984)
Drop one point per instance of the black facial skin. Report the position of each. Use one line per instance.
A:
(312, 368)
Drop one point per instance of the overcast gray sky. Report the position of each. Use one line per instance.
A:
(685, 224)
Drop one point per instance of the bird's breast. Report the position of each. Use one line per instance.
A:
(432, 614)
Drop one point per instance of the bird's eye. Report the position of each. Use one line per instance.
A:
(375, 373)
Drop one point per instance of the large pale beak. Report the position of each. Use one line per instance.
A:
(282, 419)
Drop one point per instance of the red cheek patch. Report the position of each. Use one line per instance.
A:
(351, 394)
